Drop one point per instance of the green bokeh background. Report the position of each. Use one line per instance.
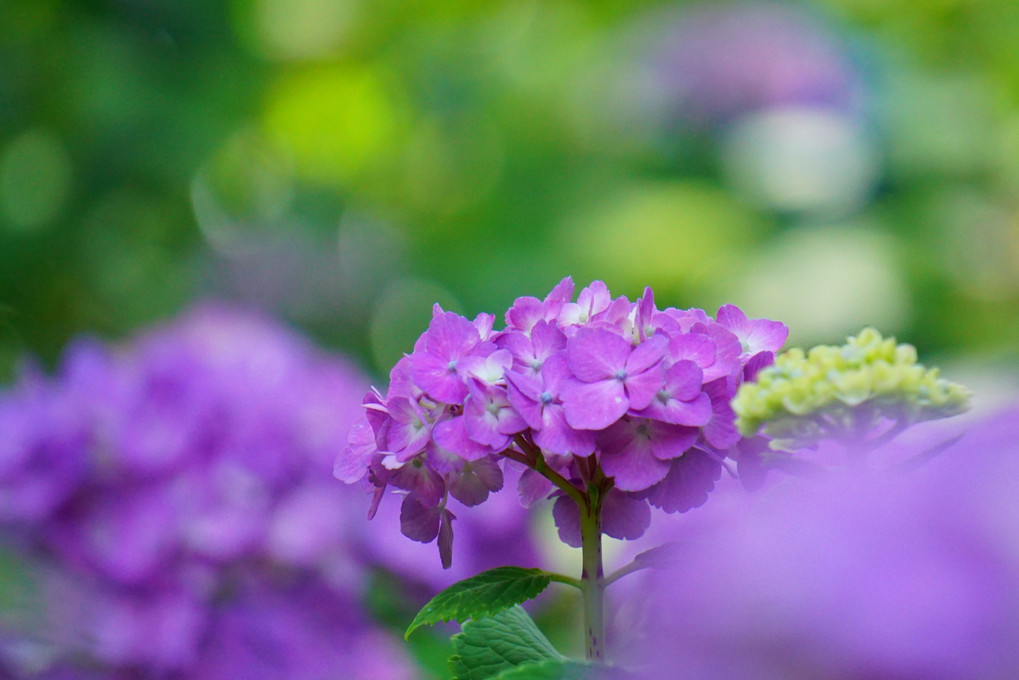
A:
(345, 163)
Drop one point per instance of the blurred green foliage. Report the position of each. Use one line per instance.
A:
(345, 162)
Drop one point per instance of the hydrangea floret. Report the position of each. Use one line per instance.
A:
(862, 394)
(612, 406)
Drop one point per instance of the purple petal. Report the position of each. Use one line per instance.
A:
(423, 482)
(696, 347)
(756, 364)
(525, 396)
(684, 379)
(687, 485)
(624, 516)
(557, 437)
(645, 313)
(694, 413)
(547, 339)
(642, 387)
(594, 405)
(438, 377)
(477, 480)
(733, 318)
(450, 336)
(419, 522)
(721, 430)
(519, 345)
(446, 538)
(595, 297)
(533, 487)
(525, 312)
(567, 521)
(627, 455)
(554, 371)
(596, 354)
(727, 352)
(755, 335)
(483, 325)
(562, 292)
(646, 354)
(671, 441)
(352, 465)
(452, 435)
(488, 368)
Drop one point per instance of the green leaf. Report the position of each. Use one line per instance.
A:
(482, 595)
(552, 669)
(489, 646)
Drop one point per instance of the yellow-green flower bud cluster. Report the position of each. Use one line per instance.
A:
(843, 391)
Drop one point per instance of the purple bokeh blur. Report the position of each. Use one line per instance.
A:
(892, 575)
(173, 497)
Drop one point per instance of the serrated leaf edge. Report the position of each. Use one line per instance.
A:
(427, 616)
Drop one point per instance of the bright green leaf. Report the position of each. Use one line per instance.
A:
(489, 646)
(482, 595)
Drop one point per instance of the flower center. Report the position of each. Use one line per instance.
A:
(546, 397)
(621, 374)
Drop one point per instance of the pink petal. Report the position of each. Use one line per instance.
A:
(547, 339)
(696, 347)
(562, 292)
(694, 413)
(525, 312)
(684, 379)
(596, 354)
(452, 435)
(525, 396)
(434, 375)
(557, 437)
(594, 405)
(647, 354)
(642, 387)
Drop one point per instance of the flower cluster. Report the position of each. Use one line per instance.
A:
(600, 386)
(173, 498)
(844, 393)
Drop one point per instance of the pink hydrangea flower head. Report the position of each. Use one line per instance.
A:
(597, 388)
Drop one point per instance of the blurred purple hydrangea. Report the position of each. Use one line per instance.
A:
(637, 393)
(879, 574)
(710, 64)
(174, 499)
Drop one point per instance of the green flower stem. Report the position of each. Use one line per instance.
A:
(534, 459)
(592, 577)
